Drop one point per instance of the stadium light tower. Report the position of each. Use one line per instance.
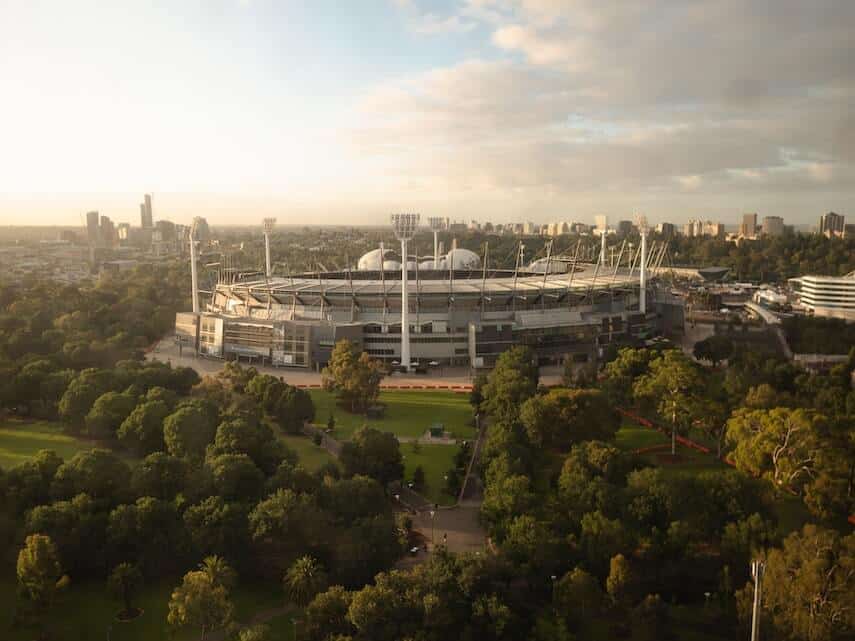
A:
(405, 226)
(641, 221)
(194, 279)
(436, 224)
(268, 229)
(603, 225)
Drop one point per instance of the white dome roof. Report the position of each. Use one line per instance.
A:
(411, 265)
(391, 265)
(426, 264)
(371, 261)
(462, 259)
(555, 267)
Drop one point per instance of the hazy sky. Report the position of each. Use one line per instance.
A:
(344, 111)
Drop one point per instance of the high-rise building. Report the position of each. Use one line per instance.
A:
(773, 226)
(108, 231)
(832, 224)
(666, 229)
(748, 228)
(624, 227)
(146, 219)
(92, 227)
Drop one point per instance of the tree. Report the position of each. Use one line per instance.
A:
(290, 406)
(159, 475)
(236, 476)
(99, 473)
(620, 583)
(353, 376)
(188, 430)
(150, 532)
(373, 453)
(124, 582)
(715, 349)
(257, 632)
(142, 431)
(619, 374)
(563, 417)
(779, 444)
(419, 479)
(108, 413)
(201, 601)
(511, 382)
(304, 580)
(38, 569)
(251, 437)
(672, 383)
(326, 615)
(578, 594)
(809, 585)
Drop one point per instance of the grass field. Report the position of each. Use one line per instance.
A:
(311, 456)
(408, 413)
(436, 461)
(86, 612)
(632, 437)
(20, 440)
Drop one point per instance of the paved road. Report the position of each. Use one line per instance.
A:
(167, 351)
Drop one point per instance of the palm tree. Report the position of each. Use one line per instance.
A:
(305, 579)
(218, 571)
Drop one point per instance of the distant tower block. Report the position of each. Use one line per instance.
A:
(641, 221)
(436, 224)
(269, 224)
(404, 226)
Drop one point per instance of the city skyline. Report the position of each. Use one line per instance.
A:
(482, 109)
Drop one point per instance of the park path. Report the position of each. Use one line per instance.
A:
(259, 617)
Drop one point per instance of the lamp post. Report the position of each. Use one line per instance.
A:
(758, 568)
(436, 224)
(432, 515)
(404, 226)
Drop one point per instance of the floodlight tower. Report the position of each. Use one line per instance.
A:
(641, 221)
(194, 279)
(268, 229)
(405, 226)
(436, 224)
(603, 224)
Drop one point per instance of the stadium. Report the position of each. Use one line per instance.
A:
(448, 309)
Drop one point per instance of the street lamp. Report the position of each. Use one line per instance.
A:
(432, 515)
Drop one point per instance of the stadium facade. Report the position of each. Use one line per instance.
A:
(459, 313)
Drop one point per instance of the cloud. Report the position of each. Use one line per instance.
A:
(430, 23)
(726, 98)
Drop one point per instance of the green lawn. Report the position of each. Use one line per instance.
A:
(311, 456)
(408, 413)
(20, 440)
(85, 612)
(436, 461)
(631, 437)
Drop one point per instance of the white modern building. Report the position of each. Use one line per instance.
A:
(832, 296)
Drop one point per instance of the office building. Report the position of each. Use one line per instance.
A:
(748, 228)
(107, 232)
(668, 230)
(146, 218)
(832, 224)
(92, 232)
(832, 296)
(625, 227)
(773, 226)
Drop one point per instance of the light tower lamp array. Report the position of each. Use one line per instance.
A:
(404, 226)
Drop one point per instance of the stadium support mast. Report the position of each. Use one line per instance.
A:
(641, 221)
(194, 278)
(268, 229)
(436, 224)
(404, 226)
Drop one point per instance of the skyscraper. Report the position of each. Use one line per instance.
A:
(748, 228)
(145, 213)
(773, 226)
(832, 224)
(92, 227)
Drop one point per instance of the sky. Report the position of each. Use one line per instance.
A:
(501, 110)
